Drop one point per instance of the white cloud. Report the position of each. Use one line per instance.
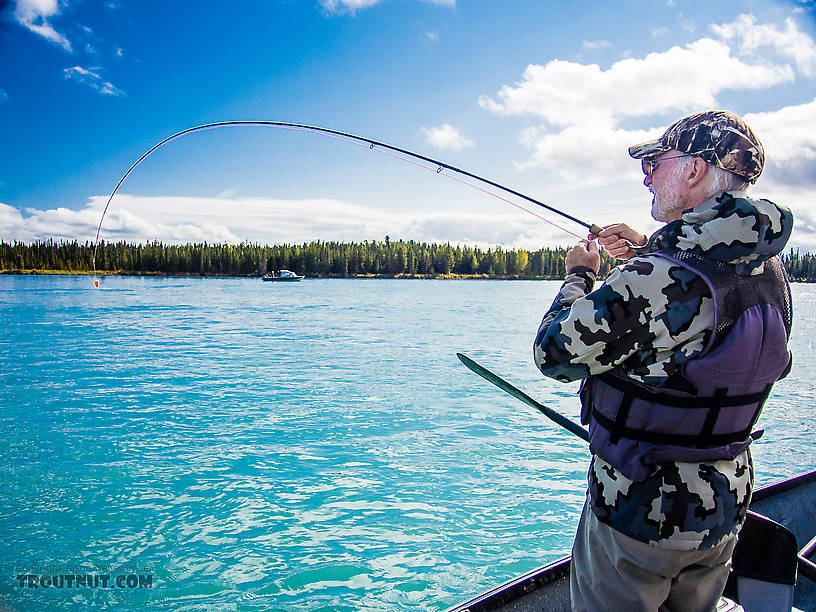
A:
(752, 40)
(30, 224)
(434, 36)
(592, 45)
(352, 6)
(93, 79)
(788, 134)
(3, 95)
(686, 24)
(446, 137)
(682, 78)
(34, 14)
(267, 221)
(789, 138)
(582, 108)
(585, 155)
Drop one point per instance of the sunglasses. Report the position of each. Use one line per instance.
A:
(650, 166)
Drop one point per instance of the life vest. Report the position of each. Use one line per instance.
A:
(708, 409)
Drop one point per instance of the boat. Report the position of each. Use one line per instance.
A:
(771, 569)
(281, 275)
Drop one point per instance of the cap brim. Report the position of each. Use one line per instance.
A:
(648, 150)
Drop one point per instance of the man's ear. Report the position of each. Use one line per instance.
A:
(696, 171)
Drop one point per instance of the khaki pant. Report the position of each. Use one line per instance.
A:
(611, 571)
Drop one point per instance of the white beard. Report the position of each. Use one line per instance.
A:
(666, 205)
(660, 207)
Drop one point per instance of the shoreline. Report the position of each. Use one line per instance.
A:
(403, 276)
(486, 277)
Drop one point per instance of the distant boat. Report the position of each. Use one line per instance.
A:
(281, 275)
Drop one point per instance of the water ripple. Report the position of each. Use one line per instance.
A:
(316, 447)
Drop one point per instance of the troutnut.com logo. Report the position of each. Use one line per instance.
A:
(84, 577)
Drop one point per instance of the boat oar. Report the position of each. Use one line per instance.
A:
(519, 394)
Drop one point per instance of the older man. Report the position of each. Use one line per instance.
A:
(677, 351)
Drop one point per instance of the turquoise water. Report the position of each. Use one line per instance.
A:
(307, 446)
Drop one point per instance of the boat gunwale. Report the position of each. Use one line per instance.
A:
(518, 587)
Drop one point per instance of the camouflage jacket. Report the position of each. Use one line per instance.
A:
(648, 318)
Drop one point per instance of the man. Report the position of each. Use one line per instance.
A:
(677, 351)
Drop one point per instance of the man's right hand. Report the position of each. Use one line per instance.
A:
(618, 240)
(584, 254)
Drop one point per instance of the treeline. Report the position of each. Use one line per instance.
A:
(801, 268)
(321, 259)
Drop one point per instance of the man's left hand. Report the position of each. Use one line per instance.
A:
(586, 254)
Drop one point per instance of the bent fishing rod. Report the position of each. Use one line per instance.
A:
(388, 149)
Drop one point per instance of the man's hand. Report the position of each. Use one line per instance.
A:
(618, 239)
(586, 254)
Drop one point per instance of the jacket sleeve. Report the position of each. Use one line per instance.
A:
(589, 332)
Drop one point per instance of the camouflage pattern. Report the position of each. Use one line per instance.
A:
(739, 231)
(649, 318)
(719, 137)
(682, 506)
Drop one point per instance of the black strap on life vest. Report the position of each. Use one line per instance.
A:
(704, 439)
(718, 400)
(669, 439)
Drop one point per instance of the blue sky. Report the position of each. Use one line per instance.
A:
(541, 96)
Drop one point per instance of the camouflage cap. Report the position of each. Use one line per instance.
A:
(719, 137)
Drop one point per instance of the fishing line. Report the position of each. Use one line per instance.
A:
(438, 170)
(437, 167)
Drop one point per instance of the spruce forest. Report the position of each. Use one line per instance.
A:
(385, 258)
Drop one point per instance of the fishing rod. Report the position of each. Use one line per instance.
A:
(502, 384)
(354, 139)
